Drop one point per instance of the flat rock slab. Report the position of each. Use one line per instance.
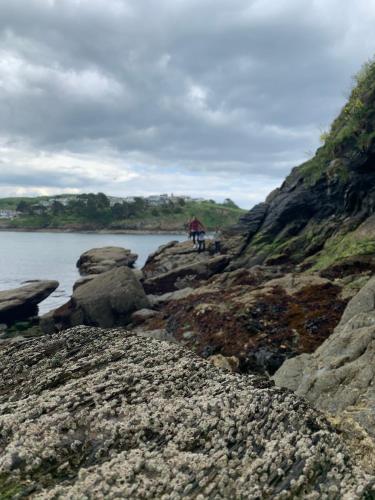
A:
(103, 414)
(100, 260)
(21, 303)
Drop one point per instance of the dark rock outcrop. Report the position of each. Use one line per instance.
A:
(312, 217)
(100, 260)
(110, 415)
(107, 300)
(22, 303)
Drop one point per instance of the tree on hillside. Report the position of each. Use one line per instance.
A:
(57, 208)
(102, 200)
(230, 203)
(23, 207)
(139, 205)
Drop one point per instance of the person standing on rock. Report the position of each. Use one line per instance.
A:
(201, 241)
(217, 240)
(195, 227)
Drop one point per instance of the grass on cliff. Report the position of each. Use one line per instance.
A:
(352, 132)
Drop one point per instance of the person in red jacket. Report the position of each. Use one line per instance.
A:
(195, 226)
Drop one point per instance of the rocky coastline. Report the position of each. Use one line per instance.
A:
(190, 315)
(244, 374)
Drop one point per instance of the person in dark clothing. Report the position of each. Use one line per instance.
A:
(194, 227)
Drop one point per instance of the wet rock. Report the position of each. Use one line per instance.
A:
(111, 415)
(338, 377)
(101, 260)
(22, 303)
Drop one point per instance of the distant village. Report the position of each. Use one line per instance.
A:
(153, 201)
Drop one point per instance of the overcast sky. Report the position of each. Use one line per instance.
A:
(213, 98)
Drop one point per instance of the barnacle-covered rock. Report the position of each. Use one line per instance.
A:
(105, 414)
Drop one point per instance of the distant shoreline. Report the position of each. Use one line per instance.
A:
(92, 231)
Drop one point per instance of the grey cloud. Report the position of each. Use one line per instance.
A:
(80, 75)
(42, 178)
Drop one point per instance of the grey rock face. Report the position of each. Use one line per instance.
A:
(22, 303)
(101, 260)
(184, 276)
(171, 256)
(339, 376)
(103, 414)
(107, 300)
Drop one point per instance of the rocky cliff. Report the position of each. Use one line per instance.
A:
(323, 212)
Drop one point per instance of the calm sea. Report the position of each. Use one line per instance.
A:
(30, 256)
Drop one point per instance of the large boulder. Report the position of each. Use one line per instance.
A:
(100, 260)
(107, 300)
(22, 303)
(186, 275)
(171, 256)
(339, 376)
(103, 414)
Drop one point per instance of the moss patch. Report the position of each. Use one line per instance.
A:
(341, 247)
(10, 488)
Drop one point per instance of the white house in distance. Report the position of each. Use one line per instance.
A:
(8, 214)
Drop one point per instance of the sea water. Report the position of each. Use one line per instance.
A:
(52, 256)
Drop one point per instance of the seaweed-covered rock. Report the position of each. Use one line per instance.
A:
(244, 313)
(104, 414)
(339, 376)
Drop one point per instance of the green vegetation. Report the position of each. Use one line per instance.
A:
(339, 247)
(9, 488)
(95, 211)
(351, 134)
